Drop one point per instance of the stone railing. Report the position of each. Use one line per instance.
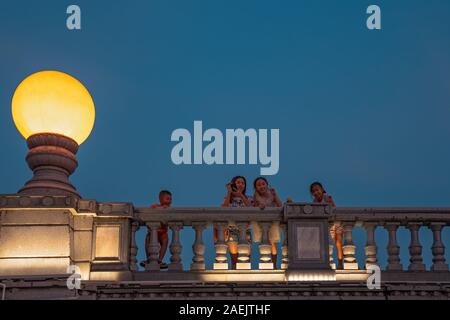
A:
(369, 218)
(391, 219)
(199, 219)
(46, 235)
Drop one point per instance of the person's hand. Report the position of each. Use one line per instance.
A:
(273, 192)
(331, 201)
(229, 189)
(227, 234)
(238, 194)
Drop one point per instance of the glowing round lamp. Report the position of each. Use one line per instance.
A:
(53, 102)
(55, 113)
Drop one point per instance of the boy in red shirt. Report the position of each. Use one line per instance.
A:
(165, 201)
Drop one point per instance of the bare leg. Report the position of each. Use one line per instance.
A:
(232, 247)
(338, 241)
(274, 255)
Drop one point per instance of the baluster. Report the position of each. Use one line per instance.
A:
(331, 258)
(265, 248)
(438, 248)
(415, 248)
(284, 249)
(134, 248)
(221, 262)
(349, 248)
(393, 248)
(243, 248)
(371, 246)
(175, 247)
(153, 264)
(331, 250)
(198, 261)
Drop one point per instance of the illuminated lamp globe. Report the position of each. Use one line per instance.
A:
(53, 102)
(55, 113)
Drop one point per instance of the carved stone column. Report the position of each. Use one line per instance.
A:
(243, 248)
(393, 248)
(153, 264)
(438, 248)
(415, 248)
(349, 248)
(133, 248)
(221, 262)
(371, 246)
(198, 261)
(265, 248)
(175, 247)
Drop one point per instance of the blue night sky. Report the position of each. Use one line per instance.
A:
(365, 112)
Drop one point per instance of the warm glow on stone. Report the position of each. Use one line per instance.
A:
(53, 102)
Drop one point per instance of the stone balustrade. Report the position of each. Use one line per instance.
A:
(44, 235)
(368, 218)
(391, 219)
(199, 219)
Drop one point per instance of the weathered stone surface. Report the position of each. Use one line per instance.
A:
(51, 289)
(34, 241)
(33, 266)
(107, 241)
(83, 222)
(82, 246)
(33, 217)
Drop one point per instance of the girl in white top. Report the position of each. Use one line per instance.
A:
(266, 196)
(320, 196)
(235, 198)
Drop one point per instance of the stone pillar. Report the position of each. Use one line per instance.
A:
(153, 264)
(371, 247)
(308, 242)
(221, 262)
(175, 247)
(265, 248)
(415, 248)
(349, 248)
(284, 249)
(438, 248)
(134, 248)
(198, 261)
(393, 248)
(243, 248)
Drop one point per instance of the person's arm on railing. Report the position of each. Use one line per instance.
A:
(276, 197)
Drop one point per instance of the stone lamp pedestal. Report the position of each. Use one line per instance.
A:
(52, 159)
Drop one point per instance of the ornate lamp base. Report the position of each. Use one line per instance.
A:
(52, 159)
